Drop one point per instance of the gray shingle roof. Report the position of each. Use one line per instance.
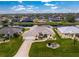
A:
(10, 30)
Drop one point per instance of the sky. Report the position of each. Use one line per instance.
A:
(8, 7)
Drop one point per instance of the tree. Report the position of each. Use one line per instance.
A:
(70, 18)
(5, 23)
(36, 20)
(23, 29)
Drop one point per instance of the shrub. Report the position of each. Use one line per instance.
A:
(16, 34)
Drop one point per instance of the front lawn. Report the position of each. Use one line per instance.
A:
(66, 49)
(25, 29)
(10, 48)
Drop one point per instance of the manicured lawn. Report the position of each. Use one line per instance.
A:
(24, 23)
(48, 23)
(56, 33)
(62, 23)
(10, 48)
(66, 49)
(25, 29)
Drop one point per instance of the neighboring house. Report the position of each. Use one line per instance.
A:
(42, 21)
(26, 19)
(16, 19)
(68, 31)
(10, 31)
(32, 18)
(77, 19)
(41, 17)
(55, 18)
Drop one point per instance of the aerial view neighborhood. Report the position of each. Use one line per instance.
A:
(39, 29)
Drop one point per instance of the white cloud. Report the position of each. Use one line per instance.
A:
(46, 1)
(31, 7)
(55, 7)
(18, 8)
(20, 1)
(27, 9)
(47, 4)
(52, 6)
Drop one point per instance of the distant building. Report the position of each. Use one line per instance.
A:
(26, 19)
(16, 19)
(55, 18)
(42, 21)
(41, 17)
(77, 19)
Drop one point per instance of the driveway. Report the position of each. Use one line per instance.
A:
(29, 37)
(25, 47)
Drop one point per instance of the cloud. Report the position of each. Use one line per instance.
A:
(55, 7)
(46, 1)
(47, 4)
(52, 6)
(20, 2)
(31, 7)
(18, 8)
(27, 9)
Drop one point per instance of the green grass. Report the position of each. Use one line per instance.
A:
(56, 33)
(25, 29)
(24, 23)
(66, 49)
(10, 48)
(62, 23)
(48, 23)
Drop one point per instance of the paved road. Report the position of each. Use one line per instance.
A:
(29, 36)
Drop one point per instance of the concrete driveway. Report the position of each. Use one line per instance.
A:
(29, 37)
(25, 47)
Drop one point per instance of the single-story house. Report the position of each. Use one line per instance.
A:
(10, 31)
(68, 31)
